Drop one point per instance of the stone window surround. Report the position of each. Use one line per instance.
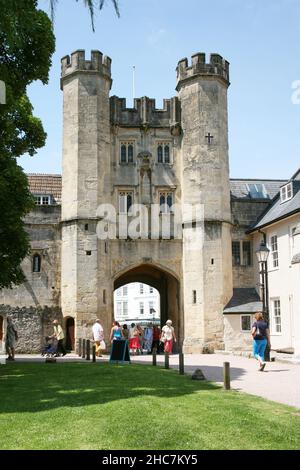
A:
(127, 143)
(128, 190)
(166, 192)
(163, 143)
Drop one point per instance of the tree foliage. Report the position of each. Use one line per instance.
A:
(92, 5)
(26, 47)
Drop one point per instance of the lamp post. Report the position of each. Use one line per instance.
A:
(262, 255)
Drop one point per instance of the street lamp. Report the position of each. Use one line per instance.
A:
(262, 255)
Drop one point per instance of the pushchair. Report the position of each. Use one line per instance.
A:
(50, 348)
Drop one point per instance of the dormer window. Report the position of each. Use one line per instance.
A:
(43, 200)
(286, 192)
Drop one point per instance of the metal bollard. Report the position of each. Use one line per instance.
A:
(167, 364)
(79, 347)
(83, 349)
(154, 357)
(226, 375)
(181, 363)
(94, 353)
(88, 350)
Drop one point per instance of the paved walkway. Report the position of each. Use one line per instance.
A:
(279, 382)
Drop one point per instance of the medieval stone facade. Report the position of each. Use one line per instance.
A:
(120, 157)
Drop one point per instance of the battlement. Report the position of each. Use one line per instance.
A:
(77, 62)
(217, 66)
(144, 112)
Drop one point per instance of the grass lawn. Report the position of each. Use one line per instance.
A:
(103, 406)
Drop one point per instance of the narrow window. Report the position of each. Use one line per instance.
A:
(125, 309)
(274, 251)
(169, 201)
(247, 258)
(36, 264)
(141, 288)
(130, 153)
(167, 154)
(194, 297)
(151, 290)
(88, 253)
(151, 307)
(125, 290)
(141, 308)
(129, 201)
(119, 309)
(123, 153)
(86, 227)
(160, 154)
(236, 254)
(277, 316)
(104, 296)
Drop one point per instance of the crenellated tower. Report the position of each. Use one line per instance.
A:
(207, 284)
(85, 178)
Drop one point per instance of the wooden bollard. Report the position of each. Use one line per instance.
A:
(88, 350)
(181, 363)
(94, 353)
(79, 347)
(154, 357)
(167, 364)
(226, 375)
(83, 349)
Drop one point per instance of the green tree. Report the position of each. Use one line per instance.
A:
(26, 47)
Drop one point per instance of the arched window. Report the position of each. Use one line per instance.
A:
(159, 154)
(169, 201)
(129, 201)
(36, 263)
(130, 153)
(167, 154)
(123, 154)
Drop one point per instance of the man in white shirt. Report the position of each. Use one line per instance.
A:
(98, 337)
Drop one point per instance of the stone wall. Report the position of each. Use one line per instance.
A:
(33, 325)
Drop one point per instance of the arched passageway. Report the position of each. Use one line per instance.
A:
(165, 283)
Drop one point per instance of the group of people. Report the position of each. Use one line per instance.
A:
(148, 339)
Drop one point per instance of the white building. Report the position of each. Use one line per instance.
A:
(137, 302)
(279, 228)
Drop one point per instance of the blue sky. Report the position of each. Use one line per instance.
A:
(260, 39)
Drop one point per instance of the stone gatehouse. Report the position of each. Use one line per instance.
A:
(121, 157)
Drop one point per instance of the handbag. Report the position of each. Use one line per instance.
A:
(102, 345)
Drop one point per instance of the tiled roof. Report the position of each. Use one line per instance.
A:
(239, 188)
(45, 184)
(279, 210)
(51, 184)
(244, 300)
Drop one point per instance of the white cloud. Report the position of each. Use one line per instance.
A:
(156, 36)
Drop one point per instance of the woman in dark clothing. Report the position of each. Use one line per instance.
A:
(261, 338)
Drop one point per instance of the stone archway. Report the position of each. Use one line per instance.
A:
(168, 287)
